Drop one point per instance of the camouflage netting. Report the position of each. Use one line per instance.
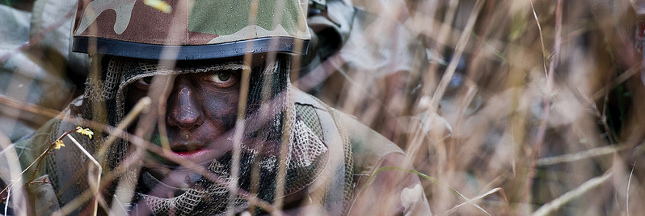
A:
(306, 152)
(306, 157)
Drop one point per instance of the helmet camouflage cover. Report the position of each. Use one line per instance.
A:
(198, 29)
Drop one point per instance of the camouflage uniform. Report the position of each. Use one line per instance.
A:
(350, 141)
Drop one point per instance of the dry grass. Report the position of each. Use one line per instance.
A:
(547, 108)
(504, 107)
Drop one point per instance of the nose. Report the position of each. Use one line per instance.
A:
(184, 111)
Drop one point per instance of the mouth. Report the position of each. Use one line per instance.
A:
(197, 153)
(190, 154)
(193, 151)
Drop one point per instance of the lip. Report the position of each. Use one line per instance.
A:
(199, 156)
(192, 154)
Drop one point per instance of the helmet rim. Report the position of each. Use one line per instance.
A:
(120, 48)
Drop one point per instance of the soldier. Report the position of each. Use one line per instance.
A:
(227, 126)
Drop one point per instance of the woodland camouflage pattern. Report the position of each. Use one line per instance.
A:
(130, 20)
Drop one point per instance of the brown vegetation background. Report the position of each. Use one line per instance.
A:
(511, 107)
(542, 112)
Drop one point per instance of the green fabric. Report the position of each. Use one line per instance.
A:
(368, 146)
(29, 149)
(233, 15)
(364, 147)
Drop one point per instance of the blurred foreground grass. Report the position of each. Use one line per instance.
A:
(544, 107)
(510, 107)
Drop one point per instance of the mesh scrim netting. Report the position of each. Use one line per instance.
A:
(266, 118)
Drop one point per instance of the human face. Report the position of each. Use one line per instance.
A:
(200, 114)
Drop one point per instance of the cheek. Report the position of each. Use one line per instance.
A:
(222, 106)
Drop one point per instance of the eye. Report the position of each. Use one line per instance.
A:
(222, 79)
(143, 83)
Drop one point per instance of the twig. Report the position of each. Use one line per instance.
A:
(142, 105)
(431, 179)
(98, 183)
(6, 206)
(555, 204)
(453, 209)
(459, 50)
(537, 22)
(14, 169)
(544, 118)
(29, 107)
(629, 183)
(620, 79)
(578, 156)
(37, 162)
(241, 113)
(452, 66)
(40, 158)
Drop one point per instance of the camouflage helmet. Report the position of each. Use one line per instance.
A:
(194, 29)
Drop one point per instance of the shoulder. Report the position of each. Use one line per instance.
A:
(367, 146)
(378, 171)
